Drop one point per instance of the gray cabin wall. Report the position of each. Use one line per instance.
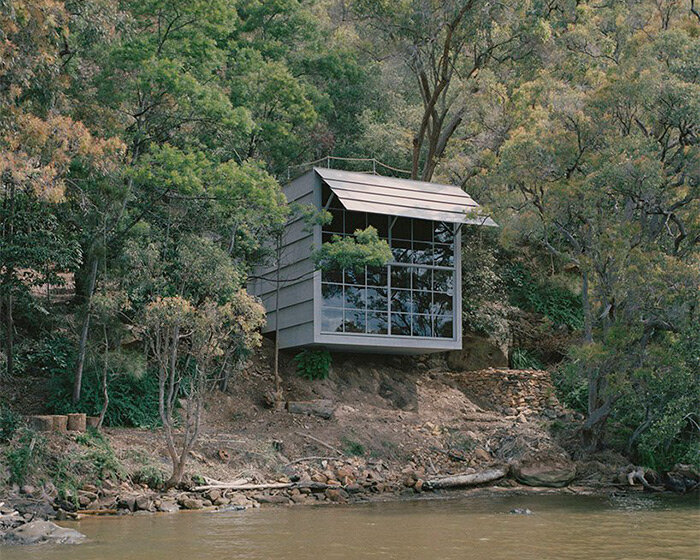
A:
(296, 272)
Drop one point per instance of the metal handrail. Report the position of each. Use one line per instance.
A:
(328, 159)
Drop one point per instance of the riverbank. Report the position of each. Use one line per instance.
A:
(376, 428)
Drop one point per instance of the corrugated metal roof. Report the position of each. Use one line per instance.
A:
(363, 192)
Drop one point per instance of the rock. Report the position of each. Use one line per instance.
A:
(477, 353)
(167, 506)
(143, 503)
(337, 495)
(36, 532)
(354, 488)
(482, 454)
(240, 500)
(550, 475)
(190, 503)
(27, 489)
(279, 499)
(520, 511)
(214, 494)
(127, 502)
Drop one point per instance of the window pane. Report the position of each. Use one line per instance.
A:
(444, 255)
(400, 300)
(443, 280)
(377, 276)
(354, 321)
(422, 278)
(354, 276)
(400, 324)
(332, 295)
(422, 253)
(401, 228)
(422, 325)
(422, 301)
(331, 320)
(377, 323)
(336, 225)
(354, 221)
(332, 275)
(354, 297)
(400, 277)
(376, 299)
(401, 250)
(442, 304)
(443, 326)
(380, 223)
(444, 232)
(422, 230)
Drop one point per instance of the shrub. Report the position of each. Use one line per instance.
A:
(98, 460)
(524, 359)
(133, 400)
(150, 475)
(9, 423)
(26, 451)
(313, 364)
(352, 448)
(557, 303)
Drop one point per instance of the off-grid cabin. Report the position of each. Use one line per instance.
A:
(411, 306)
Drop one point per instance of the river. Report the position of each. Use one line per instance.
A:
(561, 527)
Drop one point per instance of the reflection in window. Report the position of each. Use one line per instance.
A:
(377, 323)
(331, 320)
(412, 296)
(354, 321)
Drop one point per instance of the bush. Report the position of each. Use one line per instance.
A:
(352, 448)
(313, 364)
(133, 400)
(9, 423)
(98, 461)
(26, 451)
(150, 475)
(524, 359)
(559, 304)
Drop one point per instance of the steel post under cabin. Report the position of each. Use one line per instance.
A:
(411, 306)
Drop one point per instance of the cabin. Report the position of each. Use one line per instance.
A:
(410, 306)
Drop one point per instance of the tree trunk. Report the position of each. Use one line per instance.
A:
(82, 347)
(9, 280)
(105, 368)
(279, 397)
(586, 305)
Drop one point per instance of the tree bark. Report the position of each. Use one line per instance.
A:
(82, 347)
(279, 397)
(105, 368)
(586, 305)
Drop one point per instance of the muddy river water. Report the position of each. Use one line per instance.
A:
(560, 527)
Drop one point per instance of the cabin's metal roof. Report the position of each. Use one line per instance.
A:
(377, 194)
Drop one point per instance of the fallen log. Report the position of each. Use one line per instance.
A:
(323, 408)
(460, 480)
(98, 512)
(229, 486)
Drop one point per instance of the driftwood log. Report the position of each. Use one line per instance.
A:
(460, 480)
(323, 408)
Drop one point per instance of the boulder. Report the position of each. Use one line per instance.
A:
(143, 503)
(36, 532)
(323, 408)
(168, 506)
(477, 353)
(554, 475)
(190, 503)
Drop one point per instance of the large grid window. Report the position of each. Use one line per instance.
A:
(412, 296)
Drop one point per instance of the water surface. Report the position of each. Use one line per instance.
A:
(468, 528)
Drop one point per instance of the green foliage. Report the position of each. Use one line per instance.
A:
(352, 448)
(151, 475)
(557, 303)
(10, 421)
(97, 460)
(524, 359)
(362, 249)
(313, 364)
(133, 399)
(25, 452)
